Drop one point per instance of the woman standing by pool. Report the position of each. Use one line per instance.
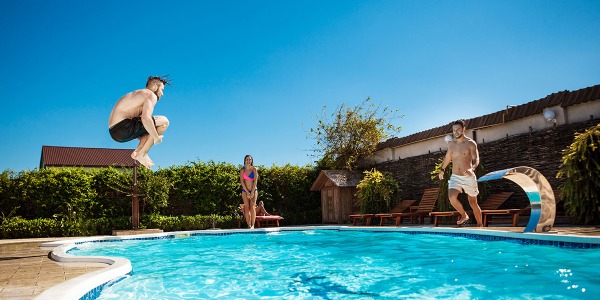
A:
(249, 180)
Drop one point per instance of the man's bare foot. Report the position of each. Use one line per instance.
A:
(144, 160)
(151, 162)
(463, 220)
(134, 155)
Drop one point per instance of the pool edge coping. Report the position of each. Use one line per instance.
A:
(118, 267)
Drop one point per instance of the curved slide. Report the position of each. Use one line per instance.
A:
(539, 191)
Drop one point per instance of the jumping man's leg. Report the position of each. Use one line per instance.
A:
(142, 155)
(137, 150)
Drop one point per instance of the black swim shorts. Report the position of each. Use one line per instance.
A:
(128, 129)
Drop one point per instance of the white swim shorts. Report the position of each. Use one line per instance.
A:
(468, 184)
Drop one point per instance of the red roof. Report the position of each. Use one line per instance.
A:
(55, 156)
(564, 99)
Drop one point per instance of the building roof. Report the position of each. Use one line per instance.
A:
(564, 99)
(55, 156)
(340, 178)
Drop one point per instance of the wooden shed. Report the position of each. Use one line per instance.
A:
(337, 194)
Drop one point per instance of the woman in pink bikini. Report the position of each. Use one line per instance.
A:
(249, 180)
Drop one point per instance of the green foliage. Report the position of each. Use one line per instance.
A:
(207, 187)
(48, 192)
(443, 204)
(155, 187)
(9, 203)
(18, 227)
(112, 188)
(286, 191)
(375, 192)
(352, 133)
(75, 201)
(179, 223)
(580, 166)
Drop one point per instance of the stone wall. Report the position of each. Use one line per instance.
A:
(541, 150)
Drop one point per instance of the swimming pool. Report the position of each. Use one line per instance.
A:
(342, 264)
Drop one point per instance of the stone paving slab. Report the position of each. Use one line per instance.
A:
(26, 270)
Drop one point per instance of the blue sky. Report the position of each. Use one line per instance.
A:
(249, 77)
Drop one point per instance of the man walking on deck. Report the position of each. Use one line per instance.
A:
(463, 153)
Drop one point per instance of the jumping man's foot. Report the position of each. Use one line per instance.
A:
(144, 160)
(134, 155)
(462, 220)
(151, 162)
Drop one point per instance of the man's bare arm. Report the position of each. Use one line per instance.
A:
(474, 156)
(446, 162)
(147, 120)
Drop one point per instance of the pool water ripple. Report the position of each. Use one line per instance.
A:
(326, 264)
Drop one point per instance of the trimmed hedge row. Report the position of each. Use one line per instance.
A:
(76, 201)
(17, 227)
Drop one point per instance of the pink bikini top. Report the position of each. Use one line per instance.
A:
(248, 177)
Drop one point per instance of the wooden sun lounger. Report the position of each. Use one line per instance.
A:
(487, 215)
(265, 221)
(419, 212)
(513, 213)
(401, 207)
(492, 202)
(368, 217)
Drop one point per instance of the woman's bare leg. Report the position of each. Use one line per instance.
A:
(252, 202)
(247, 215)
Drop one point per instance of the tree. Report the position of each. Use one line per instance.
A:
(351, 134)
(581, 167)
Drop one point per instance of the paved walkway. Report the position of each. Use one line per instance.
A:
(26, 270)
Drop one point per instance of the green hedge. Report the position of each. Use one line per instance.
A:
(76, 201)
(17, 227)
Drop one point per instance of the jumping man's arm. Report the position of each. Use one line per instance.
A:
(147, 110)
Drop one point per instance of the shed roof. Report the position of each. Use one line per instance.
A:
(564, 99)
(56, 156)
(340, 178)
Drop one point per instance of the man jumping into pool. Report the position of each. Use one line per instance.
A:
(463, 153)
(132, 118)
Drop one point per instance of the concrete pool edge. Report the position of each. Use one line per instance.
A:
(91, 284)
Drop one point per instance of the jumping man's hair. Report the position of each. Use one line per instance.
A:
(459, 122)
(153, 79)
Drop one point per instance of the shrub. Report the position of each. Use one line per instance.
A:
(375, 192)
(178, 223)
(580, 167)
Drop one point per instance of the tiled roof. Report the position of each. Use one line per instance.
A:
(564, 99)
(85, 157)
(341, 178)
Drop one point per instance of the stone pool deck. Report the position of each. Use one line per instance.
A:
(26, 270)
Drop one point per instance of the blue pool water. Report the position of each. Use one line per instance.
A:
(330, 264)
